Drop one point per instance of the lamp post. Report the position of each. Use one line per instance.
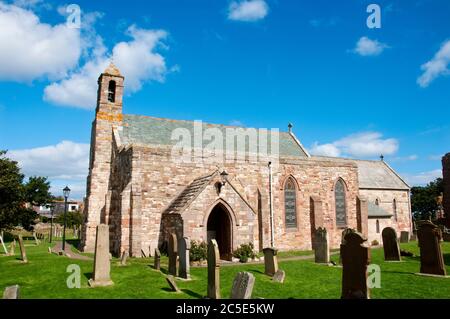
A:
(66, 192)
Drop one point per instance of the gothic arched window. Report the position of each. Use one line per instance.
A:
(378, 226)
(377, 202)
(340, 205)
(112, 91)
(290, 203)
(394, 208)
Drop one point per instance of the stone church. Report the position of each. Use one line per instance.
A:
(138, 186)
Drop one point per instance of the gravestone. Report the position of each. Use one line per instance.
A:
(36, 240)
(12, 292)
(22, 250)
(431, 259)
(279, 276)
(242, 286)
(213, 270)
(157, 261)
(355, 258)
(184, 245)
(102, 263)
(143, 253)
(123, 259)
(270, 261)
(344, 233)
(173, 252)
(12, 248)
(390, 245)
(173, 285)
(49, 250)
(3, 244)
(404, 236)
(321, 249)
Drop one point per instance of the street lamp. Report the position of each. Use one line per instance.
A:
(66, 192)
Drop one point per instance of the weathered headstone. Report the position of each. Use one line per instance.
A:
(431, 259)
(404, 236)
(344, 233)
(143, 253)
(390, 245)
(12, 248)
(242, 286)
(102, 262)
(321, 249)
(173, 285)
(22, 250)
(355, 258)
(3, 244)
(157, 261)
(173, 253)
(270, 261)
(279, 276)
(123, 259)
(184, 245)
(12, 292)
(49, 250)
(36, 240)
(213, 270)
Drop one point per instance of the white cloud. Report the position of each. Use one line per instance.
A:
(30, 49)
(368, 47)
(422, 178)
(364, 144)
(404, 158)
(248, 10)
(437, 66)
(137, 60)
(65, 160)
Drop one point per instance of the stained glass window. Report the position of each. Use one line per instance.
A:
(290, 204)
(339, 195)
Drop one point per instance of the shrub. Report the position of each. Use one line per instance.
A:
(244, 252)
(198, 251)
(375, 242)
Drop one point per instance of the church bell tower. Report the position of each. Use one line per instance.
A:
(108, 117)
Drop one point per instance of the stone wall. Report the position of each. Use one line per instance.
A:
(385, 198)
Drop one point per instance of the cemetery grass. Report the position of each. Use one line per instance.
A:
(45, 277)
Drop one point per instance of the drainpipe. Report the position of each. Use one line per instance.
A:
(272, 239)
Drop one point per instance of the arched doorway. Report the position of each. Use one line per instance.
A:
(219, 227)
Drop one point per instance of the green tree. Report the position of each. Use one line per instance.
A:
(423, 199)
(72, 219)
(14, 195)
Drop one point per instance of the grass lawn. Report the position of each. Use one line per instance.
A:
(45, 277)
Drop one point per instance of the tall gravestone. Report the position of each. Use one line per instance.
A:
(123, 259)
(321, 247)
(404, 236)
(213, 270)
(355, 259)
(242, 286)
(270, 261)
(157, 259)
(173, 253)
(12, 248)
(344, 233)
(23, 253)
(102, 263)
(431, 259)
(390, 245)
(184, 246)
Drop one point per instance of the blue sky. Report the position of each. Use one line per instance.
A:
(349, 90)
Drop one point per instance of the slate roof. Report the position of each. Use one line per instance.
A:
(189, 194)
(146, 130)
(379, 175)
(377, 211)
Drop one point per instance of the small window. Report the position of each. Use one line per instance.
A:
(378, 226)
(377, 202)
(290, 204)
(112, 91)
(340, 204)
